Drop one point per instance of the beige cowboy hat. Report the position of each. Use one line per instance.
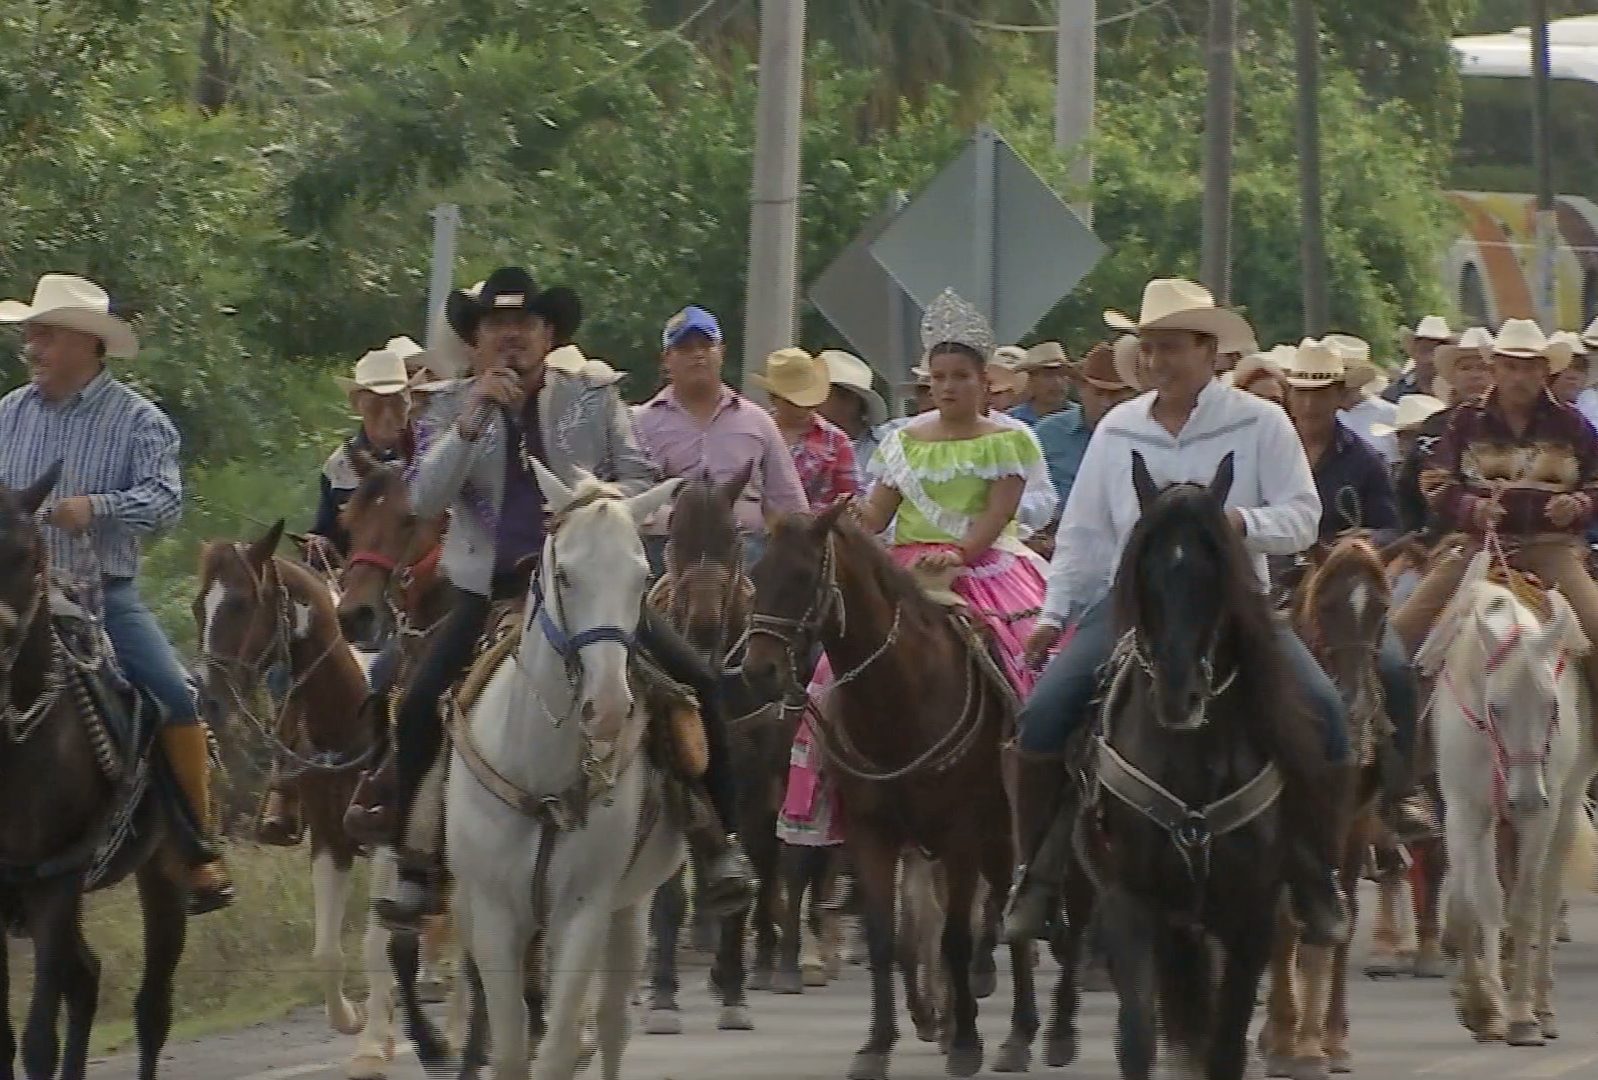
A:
(1127, 354)
(795, 376)
(1274, 363)
(1179, 304)
(1099, 370)
(1358, 371)
(380, 371)
(854, 375)
(414, 356)
(1004, 378)
(1431, 328)
(1413, 410)
(1524, 338)
(1009, 356)
(1045, 355)
(1316, 366)
(74, 303)
(1477, 339)
(920, 377)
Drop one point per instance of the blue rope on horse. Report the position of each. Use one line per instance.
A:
(568, 646)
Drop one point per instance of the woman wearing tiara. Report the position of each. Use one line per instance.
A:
(950, 483)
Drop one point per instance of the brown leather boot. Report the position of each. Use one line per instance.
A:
(372, 818)
(279, 824)
(187, 750)
(1034, 907)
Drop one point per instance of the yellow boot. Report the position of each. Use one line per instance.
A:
(189, 756)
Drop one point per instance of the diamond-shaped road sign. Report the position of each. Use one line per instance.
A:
(989, 228)
(867, 306)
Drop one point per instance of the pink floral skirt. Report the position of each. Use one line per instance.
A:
(1003, 590)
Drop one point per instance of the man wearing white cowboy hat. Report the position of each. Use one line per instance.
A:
(1006, 382)
(1047, 369)
(1517, 463)
(532, 394)
(1421, 344)
(1184, 429)
(1414, 410)
(853, 404)
(1101, 386)
(119, 483)
(823, 456)
(1362, 406)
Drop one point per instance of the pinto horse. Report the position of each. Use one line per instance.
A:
(256, 610)
(1186, 837)
(63, 788)
(909, 719)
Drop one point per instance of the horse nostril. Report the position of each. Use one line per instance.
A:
(588, 712)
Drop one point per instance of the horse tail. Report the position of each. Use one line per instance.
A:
(1580, 872)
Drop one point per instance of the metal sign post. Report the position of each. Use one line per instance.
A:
(446, 218)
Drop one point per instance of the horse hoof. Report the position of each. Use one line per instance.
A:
(1059, 1051)
(1341, 1062)
(1013, 1057)
(983, 984)
(1492, 1029)
(869, 1067)
(367, 1067)
(736, 1018)
(352, 1022)
(1310, 1069)
(1562, 931)
(1524, 1033)
(964, 1060)
(663, 1022)
(814, 975)
(1549, 1024)
(787, 982)
(760, 980)
(1278, 1065)
(833, 968)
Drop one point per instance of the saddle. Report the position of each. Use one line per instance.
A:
(974, 633)
(1527, 587)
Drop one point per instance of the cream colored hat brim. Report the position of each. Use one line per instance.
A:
(382, 389)
(1127, 357)
(1230, 330)
(807, 395)
(118, 337)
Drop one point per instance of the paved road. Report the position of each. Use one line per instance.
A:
(1402, 1028)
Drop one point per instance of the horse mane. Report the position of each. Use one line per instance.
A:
(894, 582)
(701, 523)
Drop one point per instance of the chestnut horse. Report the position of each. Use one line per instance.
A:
(909, 719)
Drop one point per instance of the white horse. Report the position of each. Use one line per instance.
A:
(1514, 747)
(565, 834)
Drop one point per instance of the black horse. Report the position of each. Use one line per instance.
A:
(1187, 834)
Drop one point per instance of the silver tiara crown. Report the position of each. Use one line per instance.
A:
(952, 320)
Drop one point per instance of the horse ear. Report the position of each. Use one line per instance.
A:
(263, 548)
(556, 494)
(32, 497)
(1221, 486)
(1142, 482)
(644, 505)
(362, 462)
(732, 490)
(1563, 630)
(828, 518)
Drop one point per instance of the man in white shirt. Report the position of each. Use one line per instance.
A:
(1183, 430)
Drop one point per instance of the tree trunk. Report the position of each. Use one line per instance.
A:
(212, 84)
(1215, 259)
(1312, 239)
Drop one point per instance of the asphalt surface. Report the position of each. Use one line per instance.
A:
(1402, 1027)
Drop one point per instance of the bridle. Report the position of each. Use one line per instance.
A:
(399, 575)
(1134, 648)
(731, 578)
(20, 724)
(800, 636)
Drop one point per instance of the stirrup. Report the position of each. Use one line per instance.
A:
(209, 888)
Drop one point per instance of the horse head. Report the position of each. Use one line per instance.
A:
(586, 600)
(22, 554)
(386, 539)
(1178, 583)
(795, 598)
(1341, 609)
(243, 617)
(704, 558)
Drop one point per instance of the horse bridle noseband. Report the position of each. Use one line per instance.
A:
(799, 636)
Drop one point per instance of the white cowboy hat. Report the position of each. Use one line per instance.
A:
(380, 371)
(1413, 410)
(919, 376)
(1316, 366)
(74, 303)
(414, 355)
(1128, 357)
(795, 376)
(1478, 339)
(854, 375)
(1009, 356)
(1358, 371)
(1524, 338)
(1178, 304)
(1431, 328)
(1003, 377)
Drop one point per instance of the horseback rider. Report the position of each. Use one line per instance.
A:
(380, 393)
(1356, 491)
(532, 395)
(119, 483)
(1421, 343)
(1517, 463)
(1183, 429)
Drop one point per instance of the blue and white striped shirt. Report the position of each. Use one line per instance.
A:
(116, 447)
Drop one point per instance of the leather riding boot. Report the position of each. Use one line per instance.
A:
(722, 875)
(188, 752)
(1317, 894)
(1034, 909)
(279, 824)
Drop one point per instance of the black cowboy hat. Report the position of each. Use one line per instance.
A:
(511, 288)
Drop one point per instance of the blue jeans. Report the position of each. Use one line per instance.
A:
(145, 655)
(1059, 703)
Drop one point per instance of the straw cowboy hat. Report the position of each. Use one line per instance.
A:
(1004, 378)
(1413, 410)
(1127, 355)
(414, 356)
(1524, 338)
(853, 374)
(380, 371)
(1358, 371)
(512, 288)
(1178, 304)
(1099, 370)
(1477, 339)
(1009, 356)
(1316, 366)
(1045, 355)
(795, 376)
(74, 303)
(1431, 328)
(1274, 363)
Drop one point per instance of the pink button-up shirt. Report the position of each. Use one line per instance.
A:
(739, 433)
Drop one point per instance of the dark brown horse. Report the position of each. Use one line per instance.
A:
(908, 721)
(1188, 838)
(1340, 610)
(76, 812)
(256, 612)
(706, 594)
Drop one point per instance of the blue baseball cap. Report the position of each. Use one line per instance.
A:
(690, 320)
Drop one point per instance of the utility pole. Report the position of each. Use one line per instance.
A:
(1215, 256)
(1543, 156)
(446, 218)
(1312, 239)
(1074, 91)
(771, 294)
